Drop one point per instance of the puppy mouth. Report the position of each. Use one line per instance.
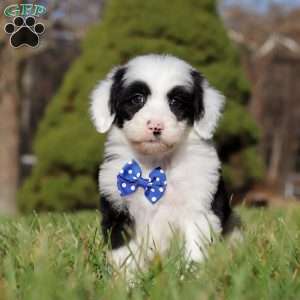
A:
(152, 146)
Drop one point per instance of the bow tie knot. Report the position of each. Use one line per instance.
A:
(130, 179)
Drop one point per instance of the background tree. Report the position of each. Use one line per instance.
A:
(9, 125)
(67, 146)
(28, 80)
(270, 47)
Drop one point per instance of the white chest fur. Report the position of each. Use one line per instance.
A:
(192, 177)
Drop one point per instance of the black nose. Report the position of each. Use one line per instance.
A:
(157, 132)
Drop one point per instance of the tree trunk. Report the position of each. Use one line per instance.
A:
(9, 128)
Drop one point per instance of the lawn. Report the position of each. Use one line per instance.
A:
(61, 256)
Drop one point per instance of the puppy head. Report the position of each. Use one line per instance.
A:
(156, 100)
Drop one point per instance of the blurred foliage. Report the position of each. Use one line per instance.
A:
(67, 146)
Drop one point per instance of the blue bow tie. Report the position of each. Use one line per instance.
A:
(130, 179)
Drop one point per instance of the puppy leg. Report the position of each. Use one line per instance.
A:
(118, 230)
(116, 224)
(199, 234)
(139, 252)
(126, 258)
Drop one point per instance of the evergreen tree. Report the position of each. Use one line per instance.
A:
(67, 146)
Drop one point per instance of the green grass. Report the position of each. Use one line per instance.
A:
(57, 256)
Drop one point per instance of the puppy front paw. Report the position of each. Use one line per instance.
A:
(199, 236)
(126, 260)
(195, 252)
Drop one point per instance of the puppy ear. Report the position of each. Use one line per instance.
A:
(101, 112)
(213, 103)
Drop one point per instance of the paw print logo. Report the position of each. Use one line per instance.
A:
(24, 31)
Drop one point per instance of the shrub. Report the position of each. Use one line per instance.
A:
(67, 146)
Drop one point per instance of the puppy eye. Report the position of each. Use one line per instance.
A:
(138, 99)
(174, 101)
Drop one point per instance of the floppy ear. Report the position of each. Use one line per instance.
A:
(213, 103)
(100, 110)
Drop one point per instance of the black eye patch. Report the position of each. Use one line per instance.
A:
(187, 104)
(126, 101)
(181, 103)
(134, 89)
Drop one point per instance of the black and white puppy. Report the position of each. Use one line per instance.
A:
(159, 111)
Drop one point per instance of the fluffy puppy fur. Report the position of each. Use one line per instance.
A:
(160, 111)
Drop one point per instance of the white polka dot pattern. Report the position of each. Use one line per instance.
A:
(129, 179)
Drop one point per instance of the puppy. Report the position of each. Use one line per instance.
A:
(161, 172)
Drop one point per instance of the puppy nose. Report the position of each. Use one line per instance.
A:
(155, 126)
